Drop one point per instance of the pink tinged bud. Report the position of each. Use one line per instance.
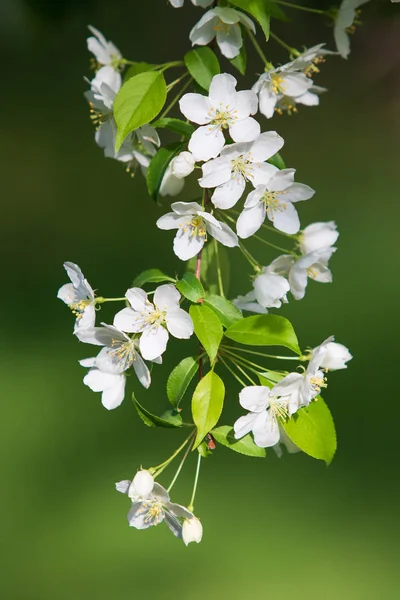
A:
(192, 530)
(143, 483)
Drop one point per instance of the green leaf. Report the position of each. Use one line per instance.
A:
(151, 276)
(276, 12)
(271, 378)
(312, 429)
(225, 310)
(240, 61)
(209, 263)
(138, 102)
(259, 9)
(264, 330)
(224, 435)
(176, 125)
(168, 420)
(158, 165)
(138, 67)
(277, 161)
(202, 64)
(208, 329)
(207, 403)
(190, 287)
(204, 450)
(180, 378)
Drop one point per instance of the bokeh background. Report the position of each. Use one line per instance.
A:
(288, 528)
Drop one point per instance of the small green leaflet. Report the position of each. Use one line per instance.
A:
(151, 276)
(158, 165)
(180, 378)
(259, 9)
(202, 64)
(277, 161)
(190, 287)
(264, 330)
(224, 435)
(176, 125)
(168, 420)
(208, 329)
(312, 429)
(207, 404)
(138, 102)
(225, 310)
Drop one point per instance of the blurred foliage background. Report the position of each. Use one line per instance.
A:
(287, 528)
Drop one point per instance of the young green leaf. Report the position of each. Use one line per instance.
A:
(207, 404)
(176, 125)
(151, 276)
(240, 61)
(259, 9)
(225, 310)
(158, 165)
(190, 287)
(209, 264)
(202, 64)
(312, 429)
(168, 420)
(138, 102)
(138, 67)
(180, 378)
(224, 435)
(264, 330)
(277, 161)
(208, 329)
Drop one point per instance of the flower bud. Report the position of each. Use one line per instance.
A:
(192, 530)
(336, 357)
(142, 484)
(183, 164)
(318, 236)
(170, 184)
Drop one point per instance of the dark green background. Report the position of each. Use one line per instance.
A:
(287, 528)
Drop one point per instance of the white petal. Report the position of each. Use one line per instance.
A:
(123, 486)
(142, 371)
(137, 298)
(226, 195)
(195, 107)
(247, 22)
(170, 221)
(317, 236)
(265, 146)
(298, 280)
(113, 397)
(183, 164)
(204, 31)
(166, 297)
(223, 234)
(246, 103)
(267, 101)
(262, 174)
(153, 342)
(88, 362)
(179, 323)
(254, 398)
(250, 220)
(206, 142)
(296, 84)
(230, 41)
(246, 130)
(87, 319)
(286, 219)
(171, 185)
(298, 192)
(216, 172)
(186, 246)
(266, 430)
(185, 208)
(222, 89)
(128, 320)
(143, 483)
(282, 180)
(67, 293)
(270, 289)
(244, 425)
(336, 357)
(288, 385)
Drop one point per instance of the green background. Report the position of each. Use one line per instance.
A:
(288, 528)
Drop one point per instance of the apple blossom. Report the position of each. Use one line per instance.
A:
(318, 236)
(336, 357)
(105, 52)
(273, 85)
(223, 24)
(270, 289)
(79, 296)
(249, 303)
(154, 321)
(193, 225)
(275, 200)
(238, 164)
(112, 385)
(224, 108)
(343, 23)
(192, 531)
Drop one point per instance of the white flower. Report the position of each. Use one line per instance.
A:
(302, 388)
(153, 508)
(183, 164)
(170, 184)
(277, 83)
(309, 98)
(193, 225)
(275, 200)
(119, 354)
(224, 24)
(224, 108)
(111, 385)
(154, 321)
(79, 296)
(249, 303)
(262, 420)
(343, 23)
(318, 236)
(270, 289)
(238, 164)
(336, 357)
(192, 530)
(105, 52)
(298, 270)
(203, 3)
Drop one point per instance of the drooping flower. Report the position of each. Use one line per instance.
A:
(224, 108)
(105, 52)
(278, 83)
(275, 200)
(120, 352)
(270, 289)
(223, 24)
(153, 507)
(249, 303)
(336, 357)
(112, 385)
(79, 296)
(154, 321)
(344, 25)
(202, 3)
(302, 388)
(265, 410)
(238, 164)
(193, 225)
(192, 531)
(318, 236)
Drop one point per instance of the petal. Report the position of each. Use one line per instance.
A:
(67, 293)
(281, 265)
(128, 320)
(141, 370)
(170, 221)
(223, 234)
(153, 342)
(206, 142)
(99, 381)
(266, 430)
(282, 180)
(195, 107)
(230, 41)
(171, 185)
(255, 196)
(296, 84)
(216, 172)
(186, 246)
(101, 336)
(113, 396)
(246, 21)
(265, 146)
(244, 425)
(298, 192)
(222, 89)
(179, 511)
(226, 195)
(185, 208)
(250, 220)
(285, 218)
(123, 486)
(321, 273)
(173, 524)
(298, 281)
(254, 398)
(88, 362)
(262, 174)
(249, 303)
(270, 289)
(87, 319)
(110, 361)
(166, 297)
(179, 323)
(318, 236)
(246, 103)
(288, 385)
(267, 100)
(204, 31)
(137, 298)
(246, 130)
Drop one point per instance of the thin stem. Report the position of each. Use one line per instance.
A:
(196, 480)
(179, 469)
(285, 250)
(235, 362)
(100, 300)
(219, 273)
(175, 99)
(232, 372)
(259, 50)
(262, 353)
(198, 265)
(159, 468)
(317, 11)
(174, 83)
(243, 360)
(292, 51)
(249, 257)
(170, 65)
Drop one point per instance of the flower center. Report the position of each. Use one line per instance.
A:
(223, 117)
(279, 408)
(124, 352)
(272, 203)
(312, 67)
(278, 83)
(195, 227)
(97, 117)
(78, 308)
(243, 167)
(221, 26)
(312, 272)
(156, 317)
(153, 512)
(318, 382)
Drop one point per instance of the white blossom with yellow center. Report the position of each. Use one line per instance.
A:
(274, 200)
(79, 296)
(194, 225)
(275, 84)
(105, 52)
(224, 109)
